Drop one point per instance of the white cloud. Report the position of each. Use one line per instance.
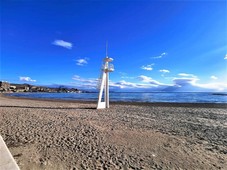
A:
(194, 85)
(186, 75)
(91, 83)
(145, 79)
(147, 67)
(76, 77)
(81, 62)
(213, 86)
(147, 83)
(160, 56)
(149, 80)
(184, 81)
(188, 82)
(225, 57)
(89, 80)
(123, 84)
(129, 85)
(26, 79)
(164, 71)
(213, 77)
(179, 84)
(83, 83)
(62, 43)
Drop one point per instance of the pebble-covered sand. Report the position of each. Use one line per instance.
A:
(74, 135)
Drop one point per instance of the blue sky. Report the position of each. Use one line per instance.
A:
(156, 45)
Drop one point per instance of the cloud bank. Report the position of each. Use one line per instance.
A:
(184, 82)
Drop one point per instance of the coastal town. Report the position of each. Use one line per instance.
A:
(6, 87)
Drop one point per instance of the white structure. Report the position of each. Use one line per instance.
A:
(7, 162)
(104, 83)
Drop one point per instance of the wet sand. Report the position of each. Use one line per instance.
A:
(47, 134)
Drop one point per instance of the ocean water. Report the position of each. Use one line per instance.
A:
(178, 97)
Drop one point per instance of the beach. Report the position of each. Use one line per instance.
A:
(56, 134)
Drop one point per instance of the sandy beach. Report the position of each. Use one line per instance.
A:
(45, 134)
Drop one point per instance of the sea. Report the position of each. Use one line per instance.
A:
(174, 97)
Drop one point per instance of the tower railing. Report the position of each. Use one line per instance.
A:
(111, 68)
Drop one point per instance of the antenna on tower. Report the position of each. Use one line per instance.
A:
(106, 48)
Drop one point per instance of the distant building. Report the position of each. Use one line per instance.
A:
(22, 88)
(13, 88)
(4, 86)
(7, 87)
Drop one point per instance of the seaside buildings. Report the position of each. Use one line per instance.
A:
(6, 87)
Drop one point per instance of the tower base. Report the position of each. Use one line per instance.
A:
(101, 105)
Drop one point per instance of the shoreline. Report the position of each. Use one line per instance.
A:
(161, 104)
(50, 134)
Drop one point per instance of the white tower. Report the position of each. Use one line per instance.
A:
(106, 68)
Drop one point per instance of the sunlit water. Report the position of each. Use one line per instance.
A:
(134, 97)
